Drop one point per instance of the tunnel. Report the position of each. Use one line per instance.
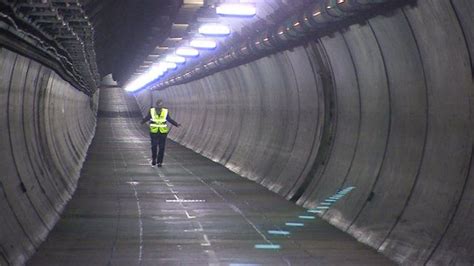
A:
(318, 132)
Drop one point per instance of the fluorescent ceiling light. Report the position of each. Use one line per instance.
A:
(152, 74)
(203, 43)
(168, 65)
(236, 9)
(158, 69)
(214, 29)
(194, 2)
(175, 59)
(158, 74)
(140, 82)
(187, 51)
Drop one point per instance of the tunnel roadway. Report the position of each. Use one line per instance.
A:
(190, 212)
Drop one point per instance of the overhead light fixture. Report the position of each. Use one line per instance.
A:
(168, 65)
(203, 43)
(131, 87)
(158, 70)
(158, 74)
(140, 82)
(187, 51)
(175, 59)
(214, 29)
(236, 9)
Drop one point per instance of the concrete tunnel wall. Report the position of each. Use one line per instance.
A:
(46, 126)
(385, 107)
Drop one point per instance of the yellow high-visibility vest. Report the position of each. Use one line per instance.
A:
(158, 121)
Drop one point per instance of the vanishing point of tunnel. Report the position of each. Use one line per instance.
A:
(294, 132)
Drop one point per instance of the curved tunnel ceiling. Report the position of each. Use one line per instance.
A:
(127, 31)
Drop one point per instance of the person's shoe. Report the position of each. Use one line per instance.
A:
(159, 165)
(153, 163)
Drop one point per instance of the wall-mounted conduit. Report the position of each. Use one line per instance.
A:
(63, 29)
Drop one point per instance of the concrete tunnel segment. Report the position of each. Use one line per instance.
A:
(385, 107)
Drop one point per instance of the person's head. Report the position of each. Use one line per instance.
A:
(159, 103)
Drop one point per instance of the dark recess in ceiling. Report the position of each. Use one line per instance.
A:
(126, 31)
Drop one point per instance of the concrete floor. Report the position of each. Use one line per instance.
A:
(190, 212)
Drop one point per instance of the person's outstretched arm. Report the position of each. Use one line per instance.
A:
(147, 118)
(174, 123)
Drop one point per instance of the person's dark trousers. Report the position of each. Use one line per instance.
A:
(158, 140)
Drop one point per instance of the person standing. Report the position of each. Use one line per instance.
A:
(158, 116)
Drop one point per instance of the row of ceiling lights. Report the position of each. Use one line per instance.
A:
(174, 61)
(314, 21)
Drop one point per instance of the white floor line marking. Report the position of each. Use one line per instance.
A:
(206, 241)
(189, 216)
(235, 208)
(213, 260)
(178, 200)
(161, 175)
(212, 255)
(200, 229)
(140, 224)
(185, 201)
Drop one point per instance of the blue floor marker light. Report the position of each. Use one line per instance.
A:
(278, 232)
(267, 246)
(295, 224)
(322, 207)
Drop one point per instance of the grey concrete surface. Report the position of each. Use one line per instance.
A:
(192, 211)
(384, 106)
(46, 126)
